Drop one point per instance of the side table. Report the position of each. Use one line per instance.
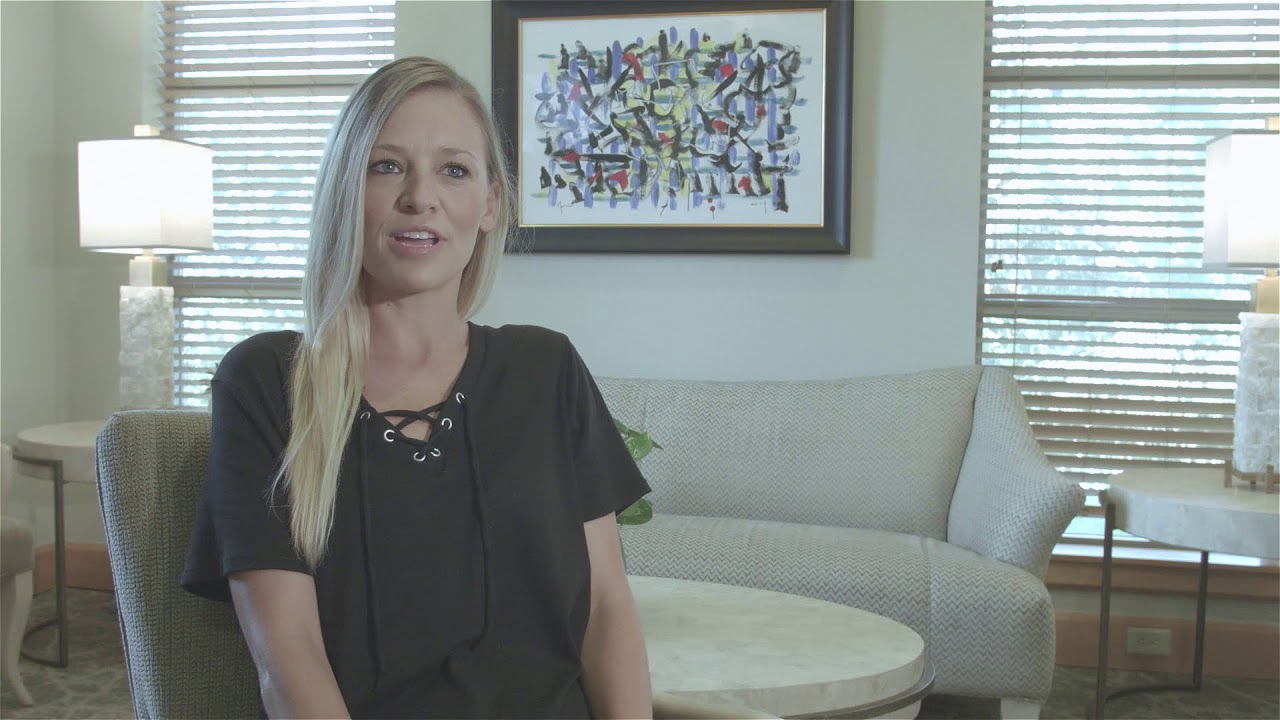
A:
(67, 449)
(1187, 508)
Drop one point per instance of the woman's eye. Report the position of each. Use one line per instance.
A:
(385, 166)
(456, 171)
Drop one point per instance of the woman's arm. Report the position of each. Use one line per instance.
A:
(281, 624)
(614, 665)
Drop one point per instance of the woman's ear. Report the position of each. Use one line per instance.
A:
(490, 219)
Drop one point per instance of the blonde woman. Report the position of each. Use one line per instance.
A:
(412, 514)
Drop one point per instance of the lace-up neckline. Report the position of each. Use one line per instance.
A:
(429, 415)
(434, 416)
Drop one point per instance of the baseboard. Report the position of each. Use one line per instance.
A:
(1235, 650)
(88, 567)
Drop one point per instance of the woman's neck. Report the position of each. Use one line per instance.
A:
(413, 331)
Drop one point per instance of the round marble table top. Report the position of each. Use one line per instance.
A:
(770, 651)
(73, 443)
(1191, 508)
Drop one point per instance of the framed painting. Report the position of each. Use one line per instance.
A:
(685, 126)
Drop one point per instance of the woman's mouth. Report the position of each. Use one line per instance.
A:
(417, 242)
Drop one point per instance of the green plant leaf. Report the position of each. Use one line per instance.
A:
(638, 513)
(639, 444)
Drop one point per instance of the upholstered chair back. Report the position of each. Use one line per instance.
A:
(185, 655)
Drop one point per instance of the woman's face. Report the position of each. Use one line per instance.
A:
(427, 197)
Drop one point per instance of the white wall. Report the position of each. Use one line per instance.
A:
(31, 388)
(28, 258)
(72, 71)
(905, 299)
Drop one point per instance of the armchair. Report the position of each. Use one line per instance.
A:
(184, 656)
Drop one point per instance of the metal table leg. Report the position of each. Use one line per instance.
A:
(60, 566)
(1101, 696)
(1104, 619)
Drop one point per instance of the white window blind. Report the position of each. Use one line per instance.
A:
(259, 82)
(1092, 291)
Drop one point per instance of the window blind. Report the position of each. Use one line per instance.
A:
(1096, 118)
(259, 82)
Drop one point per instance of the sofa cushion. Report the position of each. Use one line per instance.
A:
(969, 609)
(880, 452)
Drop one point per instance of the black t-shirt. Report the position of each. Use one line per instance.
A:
(456, 581)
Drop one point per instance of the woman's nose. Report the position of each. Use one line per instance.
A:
(418, 195)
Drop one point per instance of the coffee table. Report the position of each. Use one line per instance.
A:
(782, 654)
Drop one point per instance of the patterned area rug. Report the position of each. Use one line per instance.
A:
(94, 685)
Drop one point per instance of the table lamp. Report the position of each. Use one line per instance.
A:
(1242, 229)
(150, 197)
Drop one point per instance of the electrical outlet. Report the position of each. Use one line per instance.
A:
(1148, 641)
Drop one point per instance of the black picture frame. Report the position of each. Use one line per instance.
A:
(830, 236)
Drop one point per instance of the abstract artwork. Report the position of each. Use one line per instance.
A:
(682, 127)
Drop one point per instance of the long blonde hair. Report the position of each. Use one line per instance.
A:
(329, 366)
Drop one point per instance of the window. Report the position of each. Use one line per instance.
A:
(1092, 291)
(260, 83)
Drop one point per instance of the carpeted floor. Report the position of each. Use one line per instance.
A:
(94, 685)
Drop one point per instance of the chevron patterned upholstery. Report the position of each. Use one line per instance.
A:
(922, 497)
(789, 451)
(185, 655)
(1009, 503)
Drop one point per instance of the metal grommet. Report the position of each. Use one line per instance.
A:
(419, 456)
(459, 397)
(387, 435)
(446, 423)
(435, 452)
(366, 415)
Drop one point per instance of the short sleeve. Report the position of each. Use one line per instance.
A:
(238, 526)
(607, 478)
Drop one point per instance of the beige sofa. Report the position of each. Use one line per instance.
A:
(923, 497)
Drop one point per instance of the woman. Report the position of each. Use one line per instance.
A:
(458, 560)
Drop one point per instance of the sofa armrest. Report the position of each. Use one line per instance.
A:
(1010, 504)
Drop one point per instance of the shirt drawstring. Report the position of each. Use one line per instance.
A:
(477, 487)
(375, 636)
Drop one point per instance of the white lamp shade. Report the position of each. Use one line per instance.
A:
(146, 193)
(1242, 201)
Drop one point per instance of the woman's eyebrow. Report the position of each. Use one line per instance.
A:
(449, 150)
(446, 149)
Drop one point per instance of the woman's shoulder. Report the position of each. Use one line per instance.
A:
(528, 353)
(525, 339)
(265, 358)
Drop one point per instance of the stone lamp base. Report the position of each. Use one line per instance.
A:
(146, 347)
(1269, 478)
(1255, 451)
